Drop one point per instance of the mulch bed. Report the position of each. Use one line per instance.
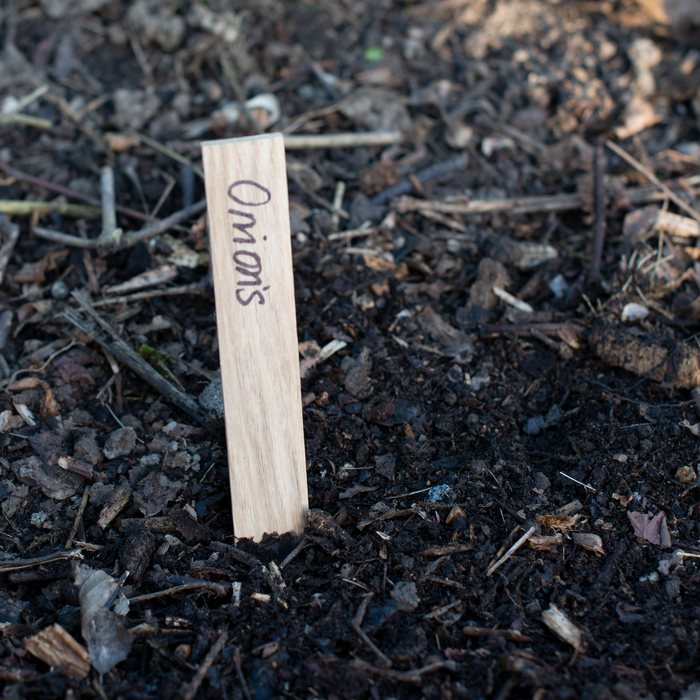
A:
(497, 314)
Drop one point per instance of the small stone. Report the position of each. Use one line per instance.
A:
(59, 9)
(212, 399)
(159, 444)
(541, 481)
(134, 108)
(117, 36)
(59, 290)
(5, 326)
(686, 475)
(535, 425)
(357, 380)
(86, 448)
(157, 24)
(120, 443)
(405, 595)
(100, 491)
(132, 422)
(39, 518)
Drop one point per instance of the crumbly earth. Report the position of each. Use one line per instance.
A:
(448, 426)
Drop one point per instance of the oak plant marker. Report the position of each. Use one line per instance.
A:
(251, 252)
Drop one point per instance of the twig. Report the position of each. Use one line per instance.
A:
(60, 189)
(239, 673)
(65, 238)
(528, 143)
(438, 170)
(99, 689)
(652, 178)
(23, 207)
(157, 146)
(226, 62)
(102, 333)
(446, 550)
(338, 200)
(66, 109)
(26, 119)
(25, 101)
(315, 113)
(356, 624)
(510, 635)
(138, 52)
(78, 517)
(11, 234)
(580, 483)
(405, 676)
(525, 329)
(294, 553)
(19, 564)
(129, 239)
(352, 233)
(37, 370)
(110, 237)
(191, 688)
(347, 140)
(505, 690)
(411, 493)
(166, 192)
(164, 225)
(236, 554)
(686, 554)
(138, 296)
(207, 585)
(511, 551)
(599, 228)
(526, 205)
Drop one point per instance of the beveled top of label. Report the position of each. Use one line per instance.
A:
(241, 139)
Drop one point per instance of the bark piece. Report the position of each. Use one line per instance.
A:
(57, 648)
(646, 357)
(188, 527)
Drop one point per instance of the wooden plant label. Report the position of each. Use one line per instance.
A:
(251, 252)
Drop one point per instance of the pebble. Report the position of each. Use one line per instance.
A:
(59, 290)
(357, 380)
(405, 596)
(5, 325)
(157, 24)
(686, 474)
(134, 108)
(212, 399)
(120, 443)
(59, 9)
(86, 448)
(437, 493)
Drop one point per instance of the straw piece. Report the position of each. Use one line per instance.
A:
(652, 178)
(347, 140)
(14, 207)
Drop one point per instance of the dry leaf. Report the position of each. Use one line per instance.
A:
(544, 542)
(588, 541)
(77, 466)
(652, 528)
(108, 641)
(558, 522)
(559, 623)
(58, 649)
(693, 427)
(625, 500)
(23, 384)
(354, 490)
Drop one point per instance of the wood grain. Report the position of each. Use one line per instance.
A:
(248, 210)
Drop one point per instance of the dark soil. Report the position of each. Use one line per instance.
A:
(448, 426)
